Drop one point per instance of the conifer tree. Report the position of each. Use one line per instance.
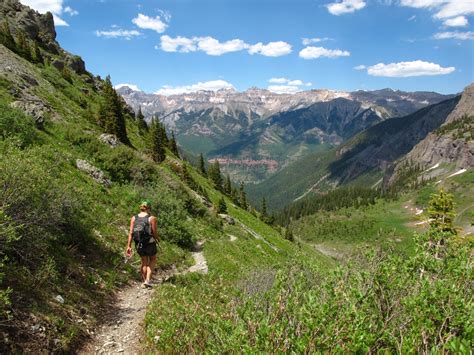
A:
(289, 234)
(111, 116)
(263, 213)
(142, 126)
(22, 47)
(221, 206)
(158, 152)
(243, 197)
(173, 146)
(7, 37)
(441, 212)
(202, 165)
(36, 53)
(227, 186)
(215, 175)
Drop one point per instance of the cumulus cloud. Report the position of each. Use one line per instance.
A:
(287, 86)
(444, 9)
(150, 23)
(408, 69)
(271, 49)
(459, 21)
(213, 85)
(317, 52)
(212, 46)
(178, 44)
(308, 41)
(118, 33)
(131, 86)
(345, 6)
(69, 10)
(53, 6)
(463, 36)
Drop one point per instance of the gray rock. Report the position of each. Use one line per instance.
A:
(35, 108)
(76, 64)
(58, 64)
(94, 172)
(109, 139)
(59, 298)
(227, 218)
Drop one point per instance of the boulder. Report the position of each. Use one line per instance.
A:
(95, 173)
(34, 108)
(58, 64)
(109, 139)
(227, 218)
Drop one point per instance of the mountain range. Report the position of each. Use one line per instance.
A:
(257, 132)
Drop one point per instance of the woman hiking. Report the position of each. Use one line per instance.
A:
(143, 231)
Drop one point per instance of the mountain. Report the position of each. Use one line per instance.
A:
(388, 148)
(69, 189)
(256, 132)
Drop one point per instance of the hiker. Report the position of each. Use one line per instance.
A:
(144, 234)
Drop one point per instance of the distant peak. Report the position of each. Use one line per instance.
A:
(132, 87)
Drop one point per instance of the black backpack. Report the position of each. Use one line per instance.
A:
(141, 230)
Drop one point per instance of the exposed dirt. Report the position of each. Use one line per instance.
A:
(122, 329)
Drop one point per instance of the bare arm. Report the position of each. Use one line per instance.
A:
(129, 242)
(154, 228)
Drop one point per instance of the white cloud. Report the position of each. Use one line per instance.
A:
(444, 8)
(463, 36)
(118, 33)
(284, 89)
(360, 67)
(178, 44)
(278, 80)
(271, 49)
(317, 52)
(408, 69)
(308, 41)
(459, 21)
(150, 23)
(43, 6)
(290, 87)
(212, 46)
(131, 86)
(165, 14)
(69, 10)
(213, 85)
(345, 6)
(411, 18)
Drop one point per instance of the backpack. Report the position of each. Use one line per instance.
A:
(141, 230)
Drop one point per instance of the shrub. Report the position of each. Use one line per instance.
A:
(15, 125)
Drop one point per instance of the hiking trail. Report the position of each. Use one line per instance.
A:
(121, 331)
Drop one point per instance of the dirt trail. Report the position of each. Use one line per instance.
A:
(122, 330)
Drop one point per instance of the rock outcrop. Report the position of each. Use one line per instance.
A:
(93, 172)
(445, 145)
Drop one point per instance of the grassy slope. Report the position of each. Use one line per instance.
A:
(92, 259)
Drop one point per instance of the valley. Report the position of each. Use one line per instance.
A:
(318, 221)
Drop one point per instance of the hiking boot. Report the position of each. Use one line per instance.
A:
(147, 284)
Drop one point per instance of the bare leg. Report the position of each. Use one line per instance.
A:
(150, 267)
(144, 267)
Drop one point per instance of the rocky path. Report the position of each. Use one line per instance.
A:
(122, 330)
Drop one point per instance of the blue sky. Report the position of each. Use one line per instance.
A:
(172, 46)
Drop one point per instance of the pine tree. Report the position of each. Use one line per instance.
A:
(441, 212)
(111, 116)
(289, 234)
(158, 152)
(215, 175)
(6, 37)
(36, 53)
(263, 213)
(202, 165)
(22, 47)
(228, 186)
(243, 197)
(142, 126)
(221, 206)
(173, 146)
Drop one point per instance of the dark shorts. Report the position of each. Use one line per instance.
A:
(147, 250)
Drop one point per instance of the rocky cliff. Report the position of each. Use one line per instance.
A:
(452, 143)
